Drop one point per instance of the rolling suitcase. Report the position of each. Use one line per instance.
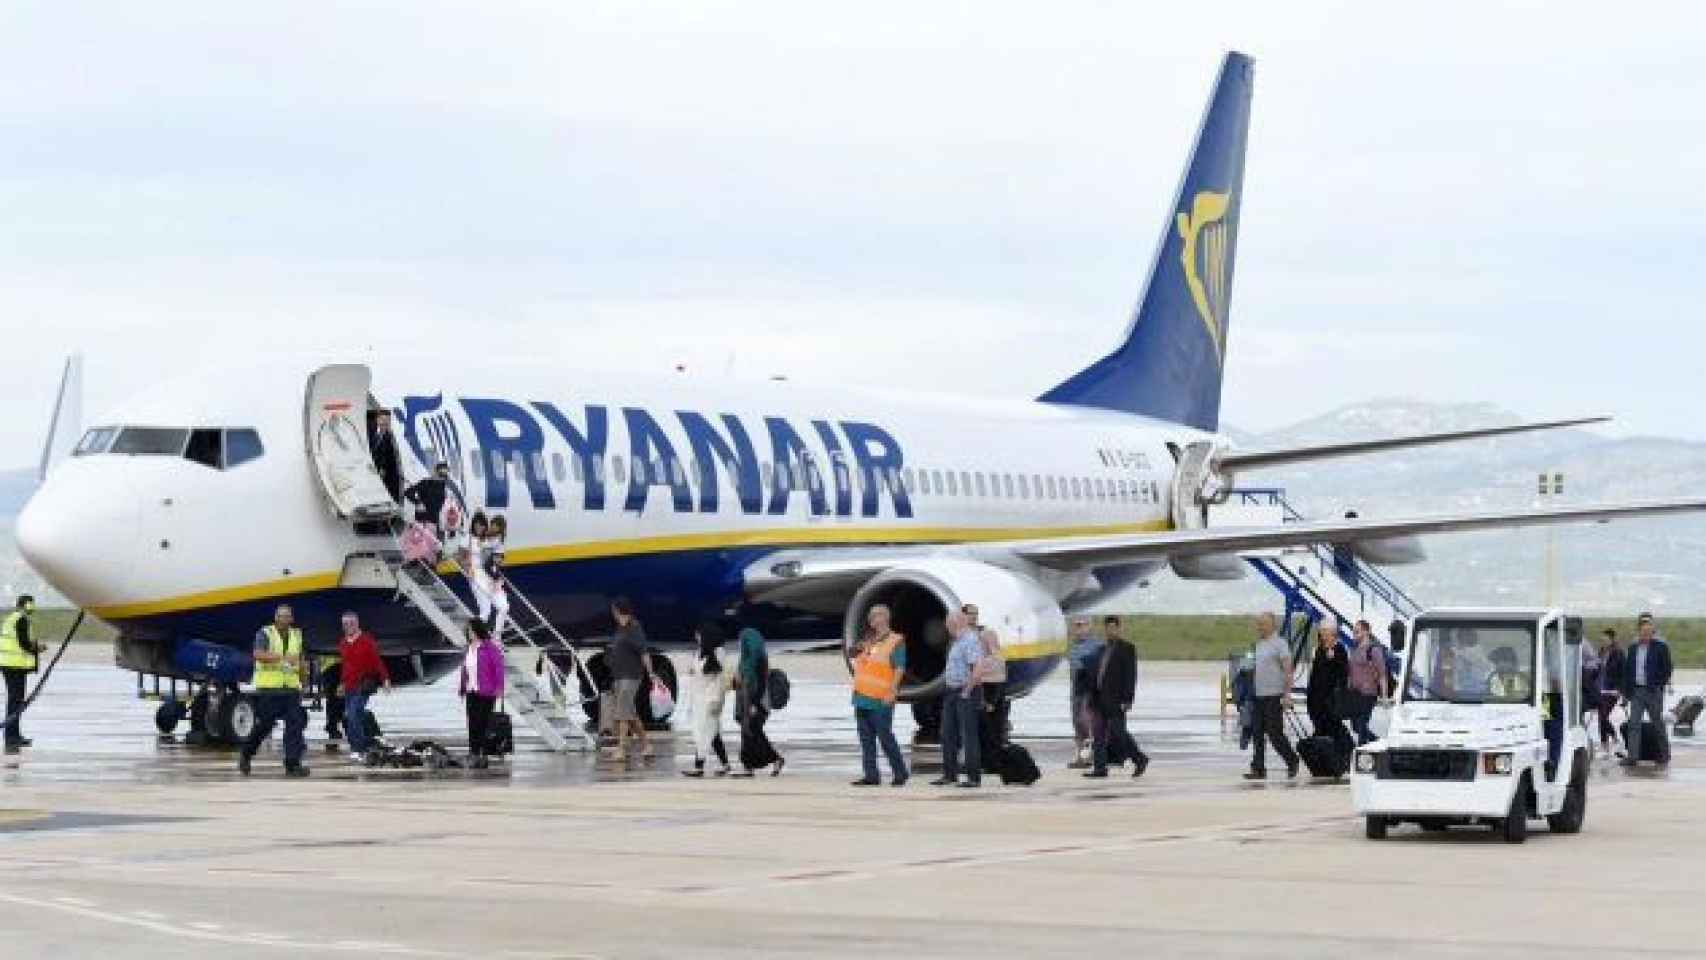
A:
(1654, 746)
(1017, 766)
(1687, 711)
(1323, 757)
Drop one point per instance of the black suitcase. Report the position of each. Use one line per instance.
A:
(1654, 746)
(500, 736)
(1323, 756)
(1017, 766)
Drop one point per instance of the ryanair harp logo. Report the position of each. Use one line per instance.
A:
(1204, 232)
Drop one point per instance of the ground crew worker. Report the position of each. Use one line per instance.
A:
(18, 651)
(278, 692)
(878, 664)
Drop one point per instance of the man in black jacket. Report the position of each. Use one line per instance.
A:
(1610, 685)
(383, 443)
(1113, 688)
(1646, 674)
(428, 496)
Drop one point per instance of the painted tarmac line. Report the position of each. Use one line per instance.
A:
(89, 911)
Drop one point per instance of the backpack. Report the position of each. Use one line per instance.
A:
(778, 690)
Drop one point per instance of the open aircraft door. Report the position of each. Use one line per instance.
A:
(335, 421)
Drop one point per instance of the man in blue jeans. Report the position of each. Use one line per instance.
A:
(1646, 674)
(962, 706)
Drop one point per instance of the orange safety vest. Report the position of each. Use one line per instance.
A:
(873, 675)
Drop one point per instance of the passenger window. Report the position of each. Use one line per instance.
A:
(1024, 488)
(618, 471)
(906, 481)
(953, 484)
(982, 490)
(476, 464)
(579, 466)
(675, 472)
(1007, 484)
(936, 481)
(203, 448)
(558, 469)
(241, 446)
(151, 442)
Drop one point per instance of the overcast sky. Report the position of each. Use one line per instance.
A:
(1457, 203)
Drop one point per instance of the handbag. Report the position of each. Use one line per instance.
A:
(663, 703)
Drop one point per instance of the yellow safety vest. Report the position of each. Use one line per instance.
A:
(13, 656)
(283, 674)
(874, 675)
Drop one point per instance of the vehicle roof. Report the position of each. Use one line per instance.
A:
(1488, 613)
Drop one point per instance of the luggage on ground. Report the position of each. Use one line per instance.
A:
(1687, 711)
(779, 689)
(1324, 756)
(1653, 745)
(500, 736)
(1016, 765)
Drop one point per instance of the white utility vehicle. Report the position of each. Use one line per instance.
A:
(1486, 729)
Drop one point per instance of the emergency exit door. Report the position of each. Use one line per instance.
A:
(335, 418)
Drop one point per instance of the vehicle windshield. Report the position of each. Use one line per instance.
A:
(1462, 661)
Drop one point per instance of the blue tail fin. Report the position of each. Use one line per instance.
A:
(1169, 364)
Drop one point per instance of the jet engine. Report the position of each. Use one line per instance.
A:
(919, 596)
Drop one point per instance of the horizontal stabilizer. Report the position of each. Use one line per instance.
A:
(1235, 462)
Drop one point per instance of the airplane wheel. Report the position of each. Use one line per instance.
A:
(169, 715)
(236, 717)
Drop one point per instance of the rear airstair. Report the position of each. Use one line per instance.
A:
(1317, 581)
(547, 700)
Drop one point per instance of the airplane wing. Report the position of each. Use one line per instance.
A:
(1234, 461)
(1128, 548)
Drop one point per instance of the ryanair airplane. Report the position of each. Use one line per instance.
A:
(184, 517)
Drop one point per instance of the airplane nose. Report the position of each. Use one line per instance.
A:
(80, 537)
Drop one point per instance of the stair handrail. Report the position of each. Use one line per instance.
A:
(1383, 586)
(553, 672)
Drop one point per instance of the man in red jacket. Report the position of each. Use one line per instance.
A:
(364, 673)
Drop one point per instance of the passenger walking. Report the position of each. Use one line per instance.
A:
(879, 662)
(992, 676)
(962, 706)
(1368, 680)
(1115, 688)
(1646, 674)
(752, 702)
(487, 583)
(331, 668)
(629, 665)
(1327, 685)
(479, 535)
(364, 674)
(710, 689)
(382, 443)
(480, 685)
(1082, 655)
(1611, 667)
(429, 495)
(1273, 696)
(278, 692)
(19, 653)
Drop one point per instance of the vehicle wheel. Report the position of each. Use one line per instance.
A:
(1374, 828)
(1514, 828)
(1575, 811)
(236, 717)
(170, 714)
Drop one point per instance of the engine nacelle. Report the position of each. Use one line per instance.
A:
(1209, 566)
(919, 596)
(1391, 551)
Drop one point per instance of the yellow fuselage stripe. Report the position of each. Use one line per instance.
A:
(591, 550)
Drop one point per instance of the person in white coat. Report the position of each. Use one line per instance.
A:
(710, 684)
(486, 582)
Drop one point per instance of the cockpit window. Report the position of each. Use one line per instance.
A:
(208, 446)
(203, 448)
(151, 441)
(95, 441)
(241, 446)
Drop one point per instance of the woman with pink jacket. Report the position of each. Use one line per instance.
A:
(481, 684)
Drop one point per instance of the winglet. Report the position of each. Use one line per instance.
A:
(67, 421)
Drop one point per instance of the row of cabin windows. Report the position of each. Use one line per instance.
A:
(918, 481)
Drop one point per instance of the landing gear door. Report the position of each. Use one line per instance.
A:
(334, 420)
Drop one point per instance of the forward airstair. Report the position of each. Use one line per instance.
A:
(548, 702)
(1317, 581)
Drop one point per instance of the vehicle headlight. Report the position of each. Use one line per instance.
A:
(1496, 763)
(1365, 762)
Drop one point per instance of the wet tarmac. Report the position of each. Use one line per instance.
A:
(115, 844)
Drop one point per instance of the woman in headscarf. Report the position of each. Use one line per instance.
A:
(756, 751)
(710, 687)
